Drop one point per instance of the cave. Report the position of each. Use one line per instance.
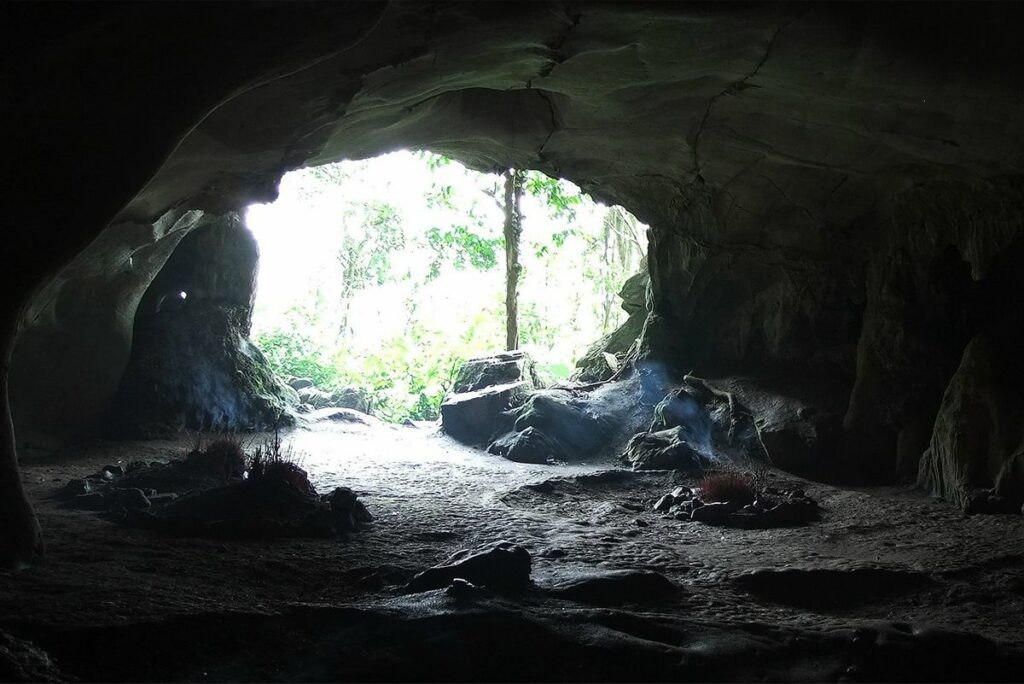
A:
(829, 321)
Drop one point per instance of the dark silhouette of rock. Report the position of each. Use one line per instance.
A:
(501, 566)
(617, 587)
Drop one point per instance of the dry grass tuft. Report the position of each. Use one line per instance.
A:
(728, 486)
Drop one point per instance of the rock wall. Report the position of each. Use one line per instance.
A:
(192, 364)
(826, 183)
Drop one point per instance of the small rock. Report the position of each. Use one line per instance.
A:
(713, 513)
(107, 476)
(664, 503)
(128, 499)
(300, 383)
(460, 588)
(75, 488)
(160, 499)
(115, 470)
(682, 493)
(640, 523)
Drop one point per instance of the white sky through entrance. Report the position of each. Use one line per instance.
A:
(299, 236)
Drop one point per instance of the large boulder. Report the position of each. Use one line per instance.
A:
(666, 450)
(472, 417)
(556, 424)
(495, 369)
(485, 388)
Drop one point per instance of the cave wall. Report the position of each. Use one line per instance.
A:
(779, 153)
(192, 365)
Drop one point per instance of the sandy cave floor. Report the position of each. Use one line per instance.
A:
(115, 603)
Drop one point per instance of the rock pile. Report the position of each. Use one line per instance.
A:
(219, 492)
(764, 508)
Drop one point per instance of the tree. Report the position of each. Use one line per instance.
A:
(513, 232)
(365, 254)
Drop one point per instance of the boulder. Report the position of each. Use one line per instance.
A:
(349, 512)
(300, 383)
(472, 417)
(554, 424)
(529, 446)
(501, 566)
(665, 450)
(495, 369)
(75, 488)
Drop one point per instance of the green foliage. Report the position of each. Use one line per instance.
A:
(576, 256)
(458, 246)
(292, 353)
(560, 199)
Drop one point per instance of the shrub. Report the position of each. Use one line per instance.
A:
(729, 486)
(224, 456)
(271, 461)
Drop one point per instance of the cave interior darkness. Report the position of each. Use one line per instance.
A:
(829, 324)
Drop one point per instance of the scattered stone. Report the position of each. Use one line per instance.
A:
(160, 499)
(75, 488)
(617, 587)
(501, 566)
(665, 503)
(716, 513)
(340, 415)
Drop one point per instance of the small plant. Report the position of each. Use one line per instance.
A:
(727, 485)
(226, 455)
(273, 461)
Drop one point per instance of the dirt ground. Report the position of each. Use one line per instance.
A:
(889, 585)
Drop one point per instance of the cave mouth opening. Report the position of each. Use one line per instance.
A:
(378, 278)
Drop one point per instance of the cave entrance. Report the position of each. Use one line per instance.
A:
(378, 278)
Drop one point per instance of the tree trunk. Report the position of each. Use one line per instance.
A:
(21, 540)
(513, 232)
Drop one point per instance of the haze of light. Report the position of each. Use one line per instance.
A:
(300, 234)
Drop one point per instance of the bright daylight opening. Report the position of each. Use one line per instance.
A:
(378, 278)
